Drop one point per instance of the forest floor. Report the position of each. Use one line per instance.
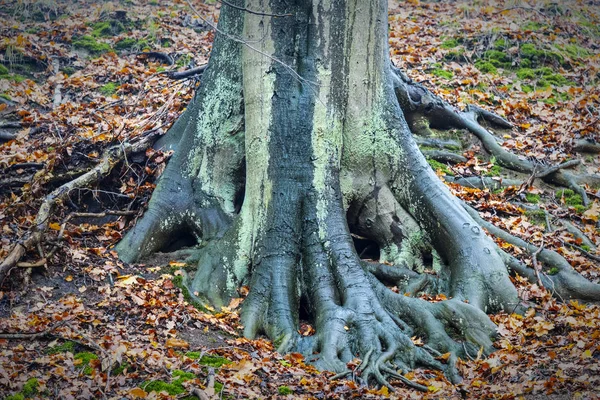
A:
(77, 323)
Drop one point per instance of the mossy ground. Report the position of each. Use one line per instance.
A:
(174, 388)
(83, 360)
(108, 89)
(438, 166)
(208, 360)
(92, 45)
(30, 389)
(62, 348)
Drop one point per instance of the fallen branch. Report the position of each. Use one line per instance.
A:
(31, 336)
(187, 73)
(111, 157)
(536, 266)
(44, 260)
(157, 54)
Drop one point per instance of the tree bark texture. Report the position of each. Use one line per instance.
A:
(298, 137)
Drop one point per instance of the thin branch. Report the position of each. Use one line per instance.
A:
(295, 74)
(254, 12)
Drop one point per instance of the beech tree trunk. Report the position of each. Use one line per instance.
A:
(297, 138)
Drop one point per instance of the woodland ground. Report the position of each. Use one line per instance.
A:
(72, 83)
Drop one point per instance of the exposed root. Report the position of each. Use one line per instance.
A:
(111, 157)
(567, 282)
(480, 182)
(424, 109)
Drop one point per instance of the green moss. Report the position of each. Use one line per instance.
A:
(532, 198)
(3, 70)
(5, 96)
(533, 26)
(121, 368)
(85, 358)
(62, 348)
(449, 44)
(186, 376)
(537, 217)
(284, 390)
(495, 170)
(553, 271)
(68, 70)
(109, 89)
(527, 88)
(183, 60)
(575, 51)
(486, 67)
(173, 388)
(30, 388)
(178, 282)
(530, 51)
(501, 44)
(580, 208)
(498, 58)
(457, 54)
(525, 73)
(161, 386)
(443, 73)
(92, 45)
(126, 43)
(585, 247)
(107, 28)
(570, 198)
(436, 165)
(16, 396)
(213, 361)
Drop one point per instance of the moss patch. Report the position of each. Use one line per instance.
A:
(107, 28)
(174, 388)
(495, 170)
(486, 67)
(443, 73)
(532, 198)
(109, 89)
(62, 348)
(83, 360)
(537, 217)
(178, 282)
(569, 197)
(436, 165)
(30, 388)
(449, 44)
(284, 390)
(90, 44)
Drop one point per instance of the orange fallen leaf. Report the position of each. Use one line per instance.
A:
(138, 393)
(177, 343)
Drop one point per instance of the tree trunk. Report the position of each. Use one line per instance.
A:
(296, 138)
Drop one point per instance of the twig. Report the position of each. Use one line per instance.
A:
(583, 251)
(31, 336)
(111, 157)
(548, 171)
(253, 12)
(536, 265)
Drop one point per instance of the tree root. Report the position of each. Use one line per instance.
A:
(111, 157)
(566, 283)
(480, 182)
(423, 109)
